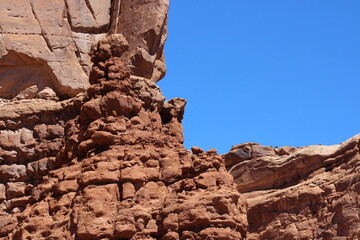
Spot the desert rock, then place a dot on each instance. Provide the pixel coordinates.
(90, 149)
(111, 165)
(299, 193)
(46, 44)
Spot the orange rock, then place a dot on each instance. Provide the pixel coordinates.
(97, 208)
(14, 190)
(312, 189)
(66, 186)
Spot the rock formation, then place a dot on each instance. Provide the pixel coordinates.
(299, 193)
(90, 149)
(47, 43)
(110, 164)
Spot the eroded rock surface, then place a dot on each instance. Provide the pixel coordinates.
(144, 24)
(299, 193)
(113, 168)
(47, 43)
(109, 163)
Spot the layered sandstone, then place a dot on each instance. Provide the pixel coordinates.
(112, 168)
(47, 43)
(299, 193)
(90, 149)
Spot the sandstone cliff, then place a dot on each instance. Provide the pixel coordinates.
(47, 43)
(90, 149)
(108, 163)
(112, 168)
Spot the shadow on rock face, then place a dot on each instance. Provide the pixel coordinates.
(19, 72)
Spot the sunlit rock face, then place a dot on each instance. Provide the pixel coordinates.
(90, 149)
(47, 43)
(299, 193)
(108, 163)
(144, 24)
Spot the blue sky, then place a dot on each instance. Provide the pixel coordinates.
(279, 73)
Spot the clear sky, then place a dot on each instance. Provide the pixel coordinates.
(279, 72)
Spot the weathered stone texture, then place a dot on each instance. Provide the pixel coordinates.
(144, 25)
(112, 168)
(299, 193)
(47, 43)
(109, 163)
(37, 40)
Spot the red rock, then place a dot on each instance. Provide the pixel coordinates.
(110, 163)
(99, 177)
(103, 138)
(304, 188)
(93, 127)
(114, 167)
(196, 150)
(133, 174)
(62, 204)
(115, 104)
(171, 223)
(219, 234)
(125, 226)
(152, 194)
(114, 127)
(130, 176)
(38, 168)
(66, 186)
(171, 236)
(13, 173)
(20, 202)
(246, 151)
(128, 190)
(284, 150)
(2, 192)
(92, 109)
(117, 69)
(7, 225)
(97, 208)
(49, 51)
(86, 146)
(14, 190)
(8, 156)
(170, 168)
(48, 94)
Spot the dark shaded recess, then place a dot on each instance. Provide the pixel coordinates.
(19, 71)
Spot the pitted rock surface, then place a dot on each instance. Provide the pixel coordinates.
(115, 170)
(90, 149)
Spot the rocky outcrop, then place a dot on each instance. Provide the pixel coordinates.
(107, 164)
(32, 132)
(90, 149)
(299, 193)
(144, 25)
(47, 43)
(112, 168)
